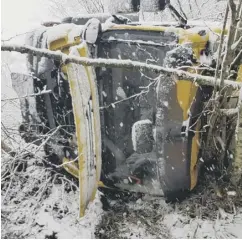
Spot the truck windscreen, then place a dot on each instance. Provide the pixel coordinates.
(127, 96)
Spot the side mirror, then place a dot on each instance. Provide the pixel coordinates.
(142, 136)
(91, 30)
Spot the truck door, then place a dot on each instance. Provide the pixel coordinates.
(82, 80)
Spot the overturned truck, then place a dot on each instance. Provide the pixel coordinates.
(132, 129)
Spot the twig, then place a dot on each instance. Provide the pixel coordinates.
(221, 45)
(47, 139)
(26, 96)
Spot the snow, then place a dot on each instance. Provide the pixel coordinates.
(148, 217)
(136, 131)
(80, 71)
(206, 60)
(183, 227)
(192, 23)
(107, 25)
(119, 6)
(151, 217)
(104, 93)
(70, 226)
(113, 105)
(231, 193)
(24, 86)
(121, 93)
(139, 221)
(166, 103)
(52, 209)
(64, 31)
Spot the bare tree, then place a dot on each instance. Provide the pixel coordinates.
(73, 8)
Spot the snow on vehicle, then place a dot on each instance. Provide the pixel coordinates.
(134, 130)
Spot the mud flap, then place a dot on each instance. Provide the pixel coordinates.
(87, 121)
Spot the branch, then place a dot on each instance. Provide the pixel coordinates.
(26, 96)
(221, 44)
(236, 59)
(6, 148)
(229, 112)
(110, 63)
(229, 52)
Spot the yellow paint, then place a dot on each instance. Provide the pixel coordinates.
(239, 77)
(79, 115)
(58, 44)
(185, 94)
(64, 69)
(65, 50)
(83, 53)
(71, 167)
(194, 156)
(81, 158)
(186, 91)
(64, 41)
(101, 184)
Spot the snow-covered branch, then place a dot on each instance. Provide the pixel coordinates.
(100, 62)
(26, 96)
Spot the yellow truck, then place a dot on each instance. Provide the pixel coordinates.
(127, 129)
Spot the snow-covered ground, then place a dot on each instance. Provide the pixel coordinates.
(38, 202)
